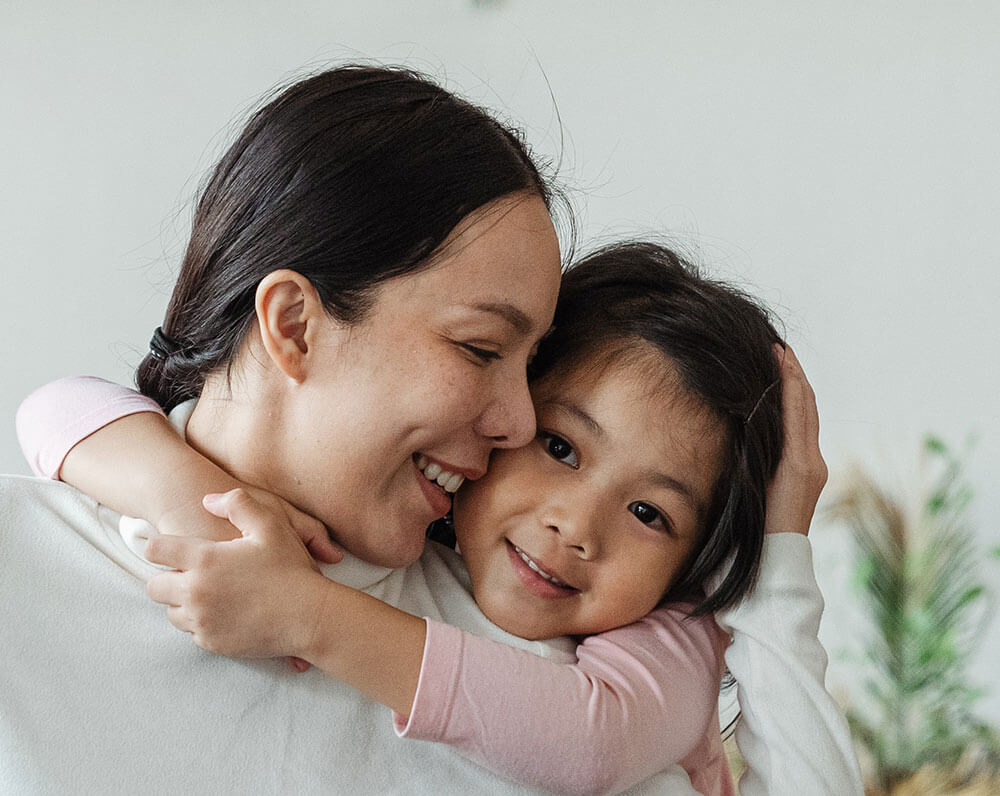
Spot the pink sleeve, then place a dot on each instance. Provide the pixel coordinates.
(639, 699)
(57, 416)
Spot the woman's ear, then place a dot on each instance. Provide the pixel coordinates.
(289, 315)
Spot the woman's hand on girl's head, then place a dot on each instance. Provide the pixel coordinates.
(801, 475)
(253, 597)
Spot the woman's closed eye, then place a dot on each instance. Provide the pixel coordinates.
(483, 354)
(559, 449)
(649, 515)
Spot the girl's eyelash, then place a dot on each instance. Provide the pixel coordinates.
(559, 448)
(653, 515)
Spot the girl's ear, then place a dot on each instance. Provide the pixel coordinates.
(289, 316)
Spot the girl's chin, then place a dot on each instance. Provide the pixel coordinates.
(513, 621)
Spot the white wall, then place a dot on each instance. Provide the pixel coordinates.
(840, 158)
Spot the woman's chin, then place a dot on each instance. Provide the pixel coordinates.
(391, 552)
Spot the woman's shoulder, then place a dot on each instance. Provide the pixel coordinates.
(23, 497)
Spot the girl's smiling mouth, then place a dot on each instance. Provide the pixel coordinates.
(536, 579)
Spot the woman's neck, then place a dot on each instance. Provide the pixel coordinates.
(231, 430)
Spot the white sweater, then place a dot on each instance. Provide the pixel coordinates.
(99, 694)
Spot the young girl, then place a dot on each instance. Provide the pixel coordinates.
(659, 421)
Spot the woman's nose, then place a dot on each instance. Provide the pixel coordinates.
(509, 419)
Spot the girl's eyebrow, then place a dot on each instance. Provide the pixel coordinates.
(578, 413)
(684, 490)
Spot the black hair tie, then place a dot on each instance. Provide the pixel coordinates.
(162, 347)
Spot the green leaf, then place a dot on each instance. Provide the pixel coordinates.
(920, 583)
(935, 444)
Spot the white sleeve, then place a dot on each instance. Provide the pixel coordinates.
(792, 734)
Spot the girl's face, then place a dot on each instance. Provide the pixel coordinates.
(412, 400)
(585, 528)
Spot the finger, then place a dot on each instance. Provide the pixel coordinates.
(315, 536)
(244, 511)
(798, 401)
(298, 664)
(167, 588)
(176, 552)
(179, 618)
(805, 398)
(791, 369)
(321, 546)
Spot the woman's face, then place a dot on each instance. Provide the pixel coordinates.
(410, 401)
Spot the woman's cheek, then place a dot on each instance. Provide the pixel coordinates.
(464, 397)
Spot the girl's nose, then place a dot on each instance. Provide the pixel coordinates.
(575, 523)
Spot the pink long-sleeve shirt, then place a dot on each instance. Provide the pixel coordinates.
(639, 698)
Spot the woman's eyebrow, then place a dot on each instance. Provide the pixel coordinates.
(514, 316)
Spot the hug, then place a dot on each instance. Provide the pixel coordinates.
(372, 330)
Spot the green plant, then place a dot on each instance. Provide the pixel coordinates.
(918, 575)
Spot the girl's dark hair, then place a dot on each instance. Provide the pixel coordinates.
(720, 341)
(349, 177)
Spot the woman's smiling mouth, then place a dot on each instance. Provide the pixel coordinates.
(448, 481)
(439, 481)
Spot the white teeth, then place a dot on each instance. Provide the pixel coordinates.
(527, 560)
(449, 482)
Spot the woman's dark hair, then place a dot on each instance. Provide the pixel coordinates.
(720, 343)
(349, 177)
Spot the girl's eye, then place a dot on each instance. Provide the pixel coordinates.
(483, 354)
(649, 515)
(559, 449)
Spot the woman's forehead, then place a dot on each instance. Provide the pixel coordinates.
(503, 262)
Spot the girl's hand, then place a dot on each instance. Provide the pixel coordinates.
(311, 532)
(258, 596)
(801, 475)
(185, 520)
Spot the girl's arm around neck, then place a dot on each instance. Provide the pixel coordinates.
(58, 415)
(639, 699)
(261, 596)
(141, 467)
(118, 447)
(367, 644)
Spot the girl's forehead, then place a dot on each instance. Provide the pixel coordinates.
(633, 386)
(646, 369)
